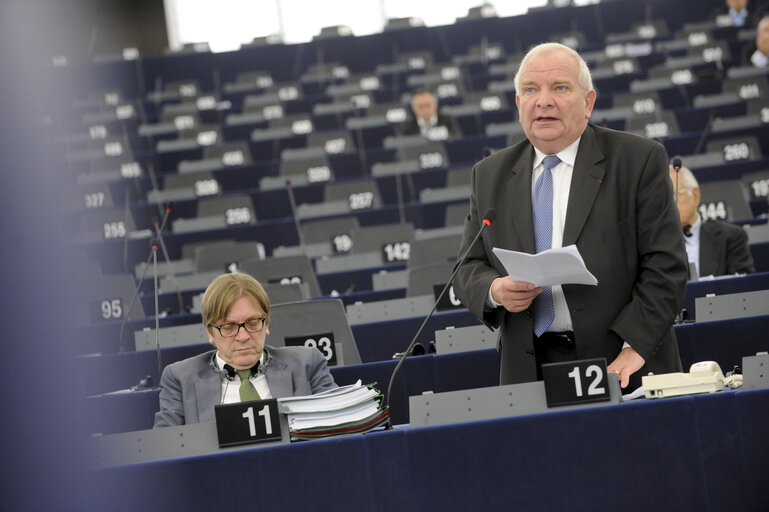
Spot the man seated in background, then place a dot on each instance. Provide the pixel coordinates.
(427, 121)
(717, 248)
(760, 57)
(236, 316)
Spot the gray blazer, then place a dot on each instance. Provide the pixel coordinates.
(621, 215)
(191, 388)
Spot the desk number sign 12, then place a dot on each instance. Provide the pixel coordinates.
(576, 382)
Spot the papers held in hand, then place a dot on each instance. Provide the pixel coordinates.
(548, 268)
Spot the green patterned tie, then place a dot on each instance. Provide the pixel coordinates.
(247, 390)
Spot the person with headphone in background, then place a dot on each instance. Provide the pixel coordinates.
(236, 317)
(716, 248)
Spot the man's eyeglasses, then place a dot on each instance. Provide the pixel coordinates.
(231, 329)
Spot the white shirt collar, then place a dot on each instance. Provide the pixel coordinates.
(221, 362)
(430, 122)
(696, 226)
(568, 155)
(759, 60)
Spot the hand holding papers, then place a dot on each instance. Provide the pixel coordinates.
(548, 268)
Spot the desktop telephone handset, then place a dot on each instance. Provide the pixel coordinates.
(703, 377)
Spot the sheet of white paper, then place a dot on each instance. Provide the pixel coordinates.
(554, 266)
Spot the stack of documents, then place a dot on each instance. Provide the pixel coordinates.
(344, 410)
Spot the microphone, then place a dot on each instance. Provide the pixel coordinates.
(292, 203)
(488, 218)
(688, 231)
(486, 151)
(154, 244)
(159, 235)
(121, 348)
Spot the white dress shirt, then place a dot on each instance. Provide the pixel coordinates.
(759, 60)
(693, 244)
(231, 388)
(561, 187)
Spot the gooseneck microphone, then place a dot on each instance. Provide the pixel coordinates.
(488, 218)
(154, 244)
(159, 234)
(121, 348)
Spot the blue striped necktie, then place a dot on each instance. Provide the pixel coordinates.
(542, 215)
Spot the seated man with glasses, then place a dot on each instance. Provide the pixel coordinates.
(236, 316)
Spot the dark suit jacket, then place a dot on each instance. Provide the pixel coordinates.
(724, 249)
(411, 127)
(190, 389)
(623, 219)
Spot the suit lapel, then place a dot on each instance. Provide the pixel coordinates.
(585, 183)
(208, 391)
(519, 192)
(278, 379)
(709, 249)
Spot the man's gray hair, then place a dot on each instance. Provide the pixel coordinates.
(584, 78)
(687, 181)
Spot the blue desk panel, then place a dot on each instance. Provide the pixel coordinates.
(706, 452)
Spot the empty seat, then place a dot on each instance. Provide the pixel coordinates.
(659, 125)
(221, 257)
(429, 279)
(757, 184)
(457, 213)
(107, 224)
(316, 323)
(217, 213)
(111, 299)
(434, 250)
(193, 138)
(344, 197)
(284, 270)
(219, 156)
(724, 200)
(377, 238)
(186, 186)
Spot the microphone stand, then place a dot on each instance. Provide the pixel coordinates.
(488, 219)
(159, 235)
(154, 244)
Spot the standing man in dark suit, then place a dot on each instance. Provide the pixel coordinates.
(716, 248)
(236, 316)
(427, 121)
(608, 195)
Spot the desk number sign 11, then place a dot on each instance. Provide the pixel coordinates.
(248, 422)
